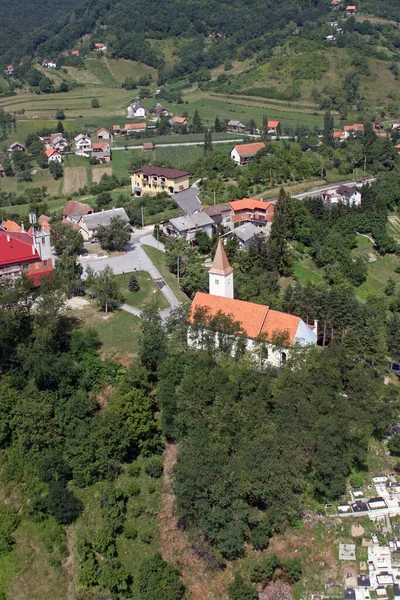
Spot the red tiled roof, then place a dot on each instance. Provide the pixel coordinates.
(12, 226)
(179, 120)
(255, 319)
(355, 127)
(97, 145)
(338, 135)
(73, 206)
(249, 204)
(249, 149)
(102, 129)
(50, 151)
(135, 126)
(18, 249)
(273, 124)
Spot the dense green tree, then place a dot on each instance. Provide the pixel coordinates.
(105, 288)
(65, 240)
(133, 285)
(208, 147)
(152, 340)
(115, 235)
(240, 590)
(158, 579)
(328, 129)
(197, 125)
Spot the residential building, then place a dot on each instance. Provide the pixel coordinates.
(83, 142)
(248, 209)
(130, 128)
(148, 147)
(338, 135)
(136, 110)
(89, 224)
(100, 47)
(58, 142)
(101, 151)
(116, 129)
(24, 253)
(188, 225)
(179, 121)
(16, 146)
(160, 111)
(236, 126)
(12, 226)
(349, 195)
(73, 207)
(103, 134)
(353, 129)
(276, 331)
(9, 70)
(273, 127)
(246, 233)
(244, 153)
(75, 53)
(152, 180)
(49, 64)
(221, 214)
(351, 10)
(53, 155)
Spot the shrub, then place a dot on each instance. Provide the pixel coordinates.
(130, 530)
(356, 481)
(154, 467)
(137, 510)
(133, 285)
(146, 537)
(240, 590)
(158, 579)
(134, 469)
(95, 103)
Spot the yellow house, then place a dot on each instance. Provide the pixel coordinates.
(153, 180)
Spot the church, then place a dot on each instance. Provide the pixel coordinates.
(256, 320)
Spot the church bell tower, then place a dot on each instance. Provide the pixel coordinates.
(221, 274)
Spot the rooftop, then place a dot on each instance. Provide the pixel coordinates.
(73, 207)
(16, 248)
(104, 217)
(191, 221)
(249, 149)
(162, 172)
(250, 204)
(221, 264)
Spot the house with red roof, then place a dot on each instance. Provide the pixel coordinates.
(24, 253)
(269, 335)
(100, 47)
(248, 209)
(53, 155)
(103, 134)
(176, 121)
(130, 128)
(9, 70)
(273, 127)
(242, 154)
(152, 180)
(101, 151)
(353, 129)
(351, 9)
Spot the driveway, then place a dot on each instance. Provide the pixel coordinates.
(188, 200)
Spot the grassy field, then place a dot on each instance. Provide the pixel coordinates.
(121, 69)
(379, 271)
(42, 177)
(175, 139)
(147, 295)
(99, 68)
(158, 258)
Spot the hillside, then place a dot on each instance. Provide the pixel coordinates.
(35, 13)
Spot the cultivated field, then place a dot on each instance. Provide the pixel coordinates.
(98, 172)
(74, 178)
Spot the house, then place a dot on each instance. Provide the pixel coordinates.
(130, 128)
(73, 207)
(160, 111)
(330, 38)
(16, 146)
(53, 155)
(58, 142)
(83, 142)
(75, 53)
(248, 209)
(116, 129)
(148, 147)
(246, 233)
(136, 110)
(49, 64)
(9, 70)
(89, 224)
(338, 135)
(101, 151)
(100, 47)
(236, 126)
(275, 330)
(103, 134)
(273, 127)
(188, 225)
(221, 214)
(353, 129)
(152, 180)
(24, 253)
(244, 153)
(351, 10)
(349, 195)
(178, 121)
(335, 2)
(11, 226)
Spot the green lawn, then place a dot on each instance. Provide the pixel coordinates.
(121, 69)
(158, 258)
(148, 294)
(100, 69)
(176, 138)
(119, 334)
(305, 271)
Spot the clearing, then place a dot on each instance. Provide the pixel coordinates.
(74, 179)
(98, 172)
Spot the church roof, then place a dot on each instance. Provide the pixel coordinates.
(221, 264)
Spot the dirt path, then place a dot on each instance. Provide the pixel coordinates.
(175, 548)
(70, 566)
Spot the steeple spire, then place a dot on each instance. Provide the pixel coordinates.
(220, 264)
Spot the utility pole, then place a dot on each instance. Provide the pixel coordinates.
(158, 244)
(142, 208)
(178, 266)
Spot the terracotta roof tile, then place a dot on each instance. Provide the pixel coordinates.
(12, 226)
(249, 149)
(250, 204)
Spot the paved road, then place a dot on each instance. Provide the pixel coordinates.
(135, 259)
(319, 190)
(140, 147)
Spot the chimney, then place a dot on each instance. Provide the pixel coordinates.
(22, 227)
(8, 239)
(33, 250)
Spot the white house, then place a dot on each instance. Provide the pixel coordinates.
(83, 142)
(136, 110)
(53, 155)
(244, 153)
(89, 223)
(103, 134)
(349, 195)
(49, 64)
(9, 70)
(268, 334)
(188, 225)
